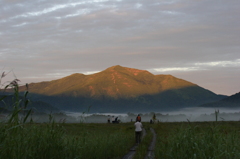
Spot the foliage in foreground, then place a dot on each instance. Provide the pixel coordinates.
(198, 140)
(52, 140)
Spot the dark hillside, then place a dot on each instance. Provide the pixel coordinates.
(38, 106)
(228, 102)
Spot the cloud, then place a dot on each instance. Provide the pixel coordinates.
(138, 5)
(91, 72)
(49, 8)
(173, 69)
(78, 13)
(199, 66)
(20, 25)
(235, 63)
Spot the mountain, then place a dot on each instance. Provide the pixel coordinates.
(121, 89)
(232, 101)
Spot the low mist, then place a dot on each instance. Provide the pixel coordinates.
(187, 114)
(193, 114)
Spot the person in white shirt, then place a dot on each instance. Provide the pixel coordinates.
(138, 131)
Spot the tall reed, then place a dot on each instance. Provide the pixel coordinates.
(198, 140)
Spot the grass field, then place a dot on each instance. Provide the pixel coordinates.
(215, 140)
(178, 140)
(65, 140)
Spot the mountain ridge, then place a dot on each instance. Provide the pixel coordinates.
(111, 80)
(116, 86)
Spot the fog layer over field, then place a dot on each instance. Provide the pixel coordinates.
(186, 114)
(183, 115)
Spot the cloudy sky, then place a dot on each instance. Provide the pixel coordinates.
(195, 40)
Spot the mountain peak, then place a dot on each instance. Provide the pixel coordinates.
(128, 70)
(116, 68)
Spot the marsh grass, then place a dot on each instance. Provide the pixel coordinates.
(53, 140)
(198, 140)
(30, 141)
(102, 140)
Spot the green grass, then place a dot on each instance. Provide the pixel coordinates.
(65, 141)
(105, 140)
(215, 140)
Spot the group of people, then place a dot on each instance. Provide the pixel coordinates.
(113, 120)
(138, 126)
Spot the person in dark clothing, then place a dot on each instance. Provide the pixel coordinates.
(138, 118)
(116, 120)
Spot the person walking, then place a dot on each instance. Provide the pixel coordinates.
(138, 118)
(138, 131)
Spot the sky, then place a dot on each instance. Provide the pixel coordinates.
(195, 40)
